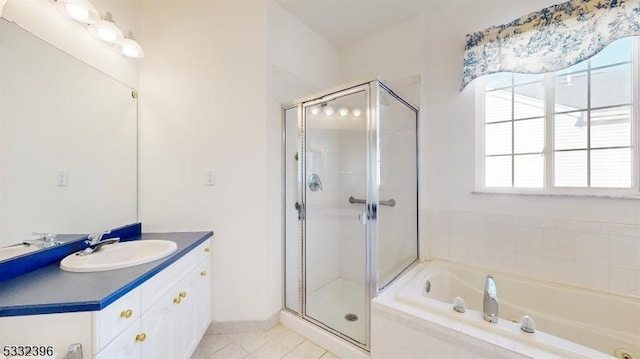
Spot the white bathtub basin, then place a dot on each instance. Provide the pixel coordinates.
(569, 320)
(14, 251)
(119, 255)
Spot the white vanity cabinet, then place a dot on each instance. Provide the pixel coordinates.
(173, 313)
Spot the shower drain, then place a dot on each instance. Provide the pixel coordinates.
(351, 317)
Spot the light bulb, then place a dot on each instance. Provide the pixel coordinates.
(107, 35)
(315, 110)
(343, 111)
(130, 47)
(106, 30)
(328, 111)
(77, 13)
(356, 112)
(130, 51)
(81, 11)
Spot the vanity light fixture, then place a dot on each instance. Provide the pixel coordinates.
(343, 111)
(81, 11)
(130, 47)
(356, 112)
(103, 28)
(315, 110)
(106, 30)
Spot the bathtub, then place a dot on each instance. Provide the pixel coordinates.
(570, 322)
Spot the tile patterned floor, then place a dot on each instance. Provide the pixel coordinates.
(276, 343)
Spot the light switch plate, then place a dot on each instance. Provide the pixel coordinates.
(209, 178)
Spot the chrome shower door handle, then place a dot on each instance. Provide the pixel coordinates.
(300, 209)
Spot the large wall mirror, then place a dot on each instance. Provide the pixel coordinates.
(68, 142)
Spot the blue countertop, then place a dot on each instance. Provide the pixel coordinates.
(51, 290)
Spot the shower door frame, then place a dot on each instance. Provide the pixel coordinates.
(372, 93)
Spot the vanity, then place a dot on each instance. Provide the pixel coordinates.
(159, 309)
(69, 164)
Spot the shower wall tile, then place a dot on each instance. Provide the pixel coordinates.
(537, 222)
(438, 229)
(460, 231)
(502, 236)
(582, 226)
(596, 255)
(592, 248)
(438, 248)
(529, 240)
(624, 252)
(621, 229)
(558, 244)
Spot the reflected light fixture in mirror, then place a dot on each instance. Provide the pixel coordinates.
(329, 111)
(130, 47)
(106, 30)
(81, 11)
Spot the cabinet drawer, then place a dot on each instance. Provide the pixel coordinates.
(153, 289)
(115, 318)
(127, 345)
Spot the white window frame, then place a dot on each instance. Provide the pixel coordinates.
(548, 183)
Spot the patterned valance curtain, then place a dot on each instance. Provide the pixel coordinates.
(550, 39)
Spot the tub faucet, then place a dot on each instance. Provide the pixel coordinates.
(490, 302)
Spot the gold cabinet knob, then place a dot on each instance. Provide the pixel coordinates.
(183, 294)
(203, 273)
(177, 300)
(126, 313)
(208, 250)
(141, 337)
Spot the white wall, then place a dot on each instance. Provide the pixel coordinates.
(394, 53)
(590, 242)
(206, 104)
(300, 63)
(203, 107)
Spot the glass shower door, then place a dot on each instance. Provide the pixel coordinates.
(335, 188)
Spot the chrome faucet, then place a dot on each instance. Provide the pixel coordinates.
(490, 302)
(44, 240)
(96, 242)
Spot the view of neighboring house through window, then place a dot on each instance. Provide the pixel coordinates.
(572, 129)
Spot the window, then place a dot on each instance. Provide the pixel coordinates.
(568, 131)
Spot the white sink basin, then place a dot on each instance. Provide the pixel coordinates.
(14, 251)
(119, 255)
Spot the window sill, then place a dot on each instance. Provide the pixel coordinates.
(560, 195)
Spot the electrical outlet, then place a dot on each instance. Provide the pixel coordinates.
(209, 178)
(62, 178)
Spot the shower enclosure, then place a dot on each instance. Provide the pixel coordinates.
(350, 203)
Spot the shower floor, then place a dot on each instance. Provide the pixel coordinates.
(331, 303)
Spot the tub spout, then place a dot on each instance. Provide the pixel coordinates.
(490, 302)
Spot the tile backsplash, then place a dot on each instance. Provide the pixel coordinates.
(594, 255)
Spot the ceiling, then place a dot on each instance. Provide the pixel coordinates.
(343, 22)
